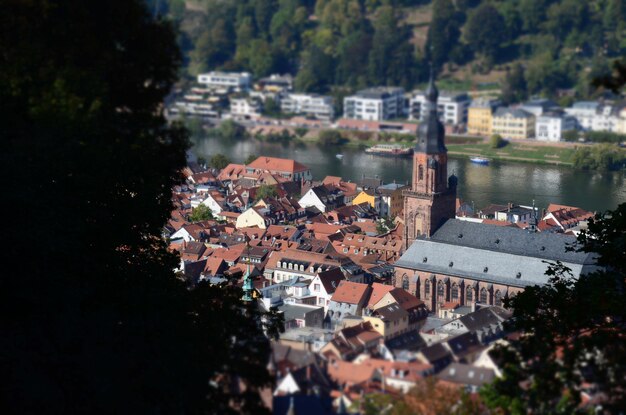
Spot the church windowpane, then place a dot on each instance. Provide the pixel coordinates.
(420, 173)
(483, 296)
(469, 295)
(427, 288)
(440, 290)
(405, 283)
(455, 292)
(498, 298)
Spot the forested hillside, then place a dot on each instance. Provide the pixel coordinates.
(521, 46)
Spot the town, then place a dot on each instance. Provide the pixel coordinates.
(234, 95)
(381, 285)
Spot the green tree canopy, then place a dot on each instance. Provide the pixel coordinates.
(219, 161)
(250, 158)
(94, 319)
(486, 30)
(201, 213)
(266, 191)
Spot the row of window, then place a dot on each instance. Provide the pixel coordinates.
(483, 294)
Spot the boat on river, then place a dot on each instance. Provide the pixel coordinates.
(390, 150)
(479, 160)
(339, 156)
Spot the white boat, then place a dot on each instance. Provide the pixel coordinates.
(479, 160)
(339, 156)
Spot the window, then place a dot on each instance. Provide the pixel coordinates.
(455, 292)
(420, 173)
(498, 298)
(427, 288)
(405, 282)
(316, 287)
(440, 289)
(469, 295)
(483, 295)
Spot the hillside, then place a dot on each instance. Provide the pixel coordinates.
(518, 47)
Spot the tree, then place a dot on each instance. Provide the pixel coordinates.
(271, 107)
(201, 213)
(219, 161)
(496, 141)
(571, 135)
(573, 332)
(330, 137)
(514, 88)
(599, 157)
(98, 321)
(486, 30)
(266, 191)
(443, 32)
(250, 158)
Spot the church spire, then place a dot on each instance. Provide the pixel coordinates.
(430, 133)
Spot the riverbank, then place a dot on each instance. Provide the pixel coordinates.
(560, 154)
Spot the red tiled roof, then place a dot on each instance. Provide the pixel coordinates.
(277, 164)
(350, 292)
(378, 291)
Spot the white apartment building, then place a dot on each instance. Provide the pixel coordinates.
(551, 126)
(593, 116)
(238, 80)
(452, 107)
(584, 112)
(245, 108)
(313, 105)
(375, 104)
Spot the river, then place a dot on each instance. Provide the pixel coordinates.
(500, 182)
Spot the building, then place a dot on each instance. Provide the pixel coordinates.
(513, 123)
(325, 198)
(245, 108)
(480, 116)
(312, 105)
(432, 196)
(375, 104)
(550, 126)
(287, 168)
(239, 81)
(540, 106)
(391, 199)
(276, 83)
(349, 299)
(471, 263)
(452, 107)
(369, 196)
(451, 260)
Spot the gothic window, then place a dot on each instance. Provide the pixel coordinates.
(405, 282)
(440, 289)
(498, 297)
(483, 295)
(455, 293)
(427, 289)
(469, 295)
(420, 173)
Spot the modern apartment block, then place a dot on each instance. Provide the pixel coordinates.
(240, 81)
(375, 104)
(313, 105)
(452, 107)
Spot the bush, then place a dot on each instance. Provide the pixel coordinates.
(599, 157)
(496, 141)
(219, 161)
(330, 137)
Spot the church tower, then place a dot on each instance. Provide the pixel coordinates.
(432, 197)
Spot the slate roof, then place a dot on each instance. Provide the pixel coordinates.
(330, 279)
(513, 112)
(484, 317)
(466, 374)
(493, 254)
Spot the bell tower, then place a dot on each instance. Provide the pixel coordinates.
(432, 198)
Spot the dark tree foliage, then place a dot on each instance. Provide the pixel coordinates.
(573, 332)
(93, 318)
(444, 32)
(514, 88)
(486, 30)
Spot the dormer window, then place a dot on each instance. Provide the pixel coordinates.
(518, 275)
(485, 269)
(497, 241)
(425, 260)
(451, 264)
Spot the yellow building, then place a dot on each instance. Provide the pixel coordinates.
(252, 217)
(513, 123)
(368, 196)
(480, 117)
(390, 320)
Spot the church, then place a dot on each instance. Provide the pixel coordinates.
(447, 260)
